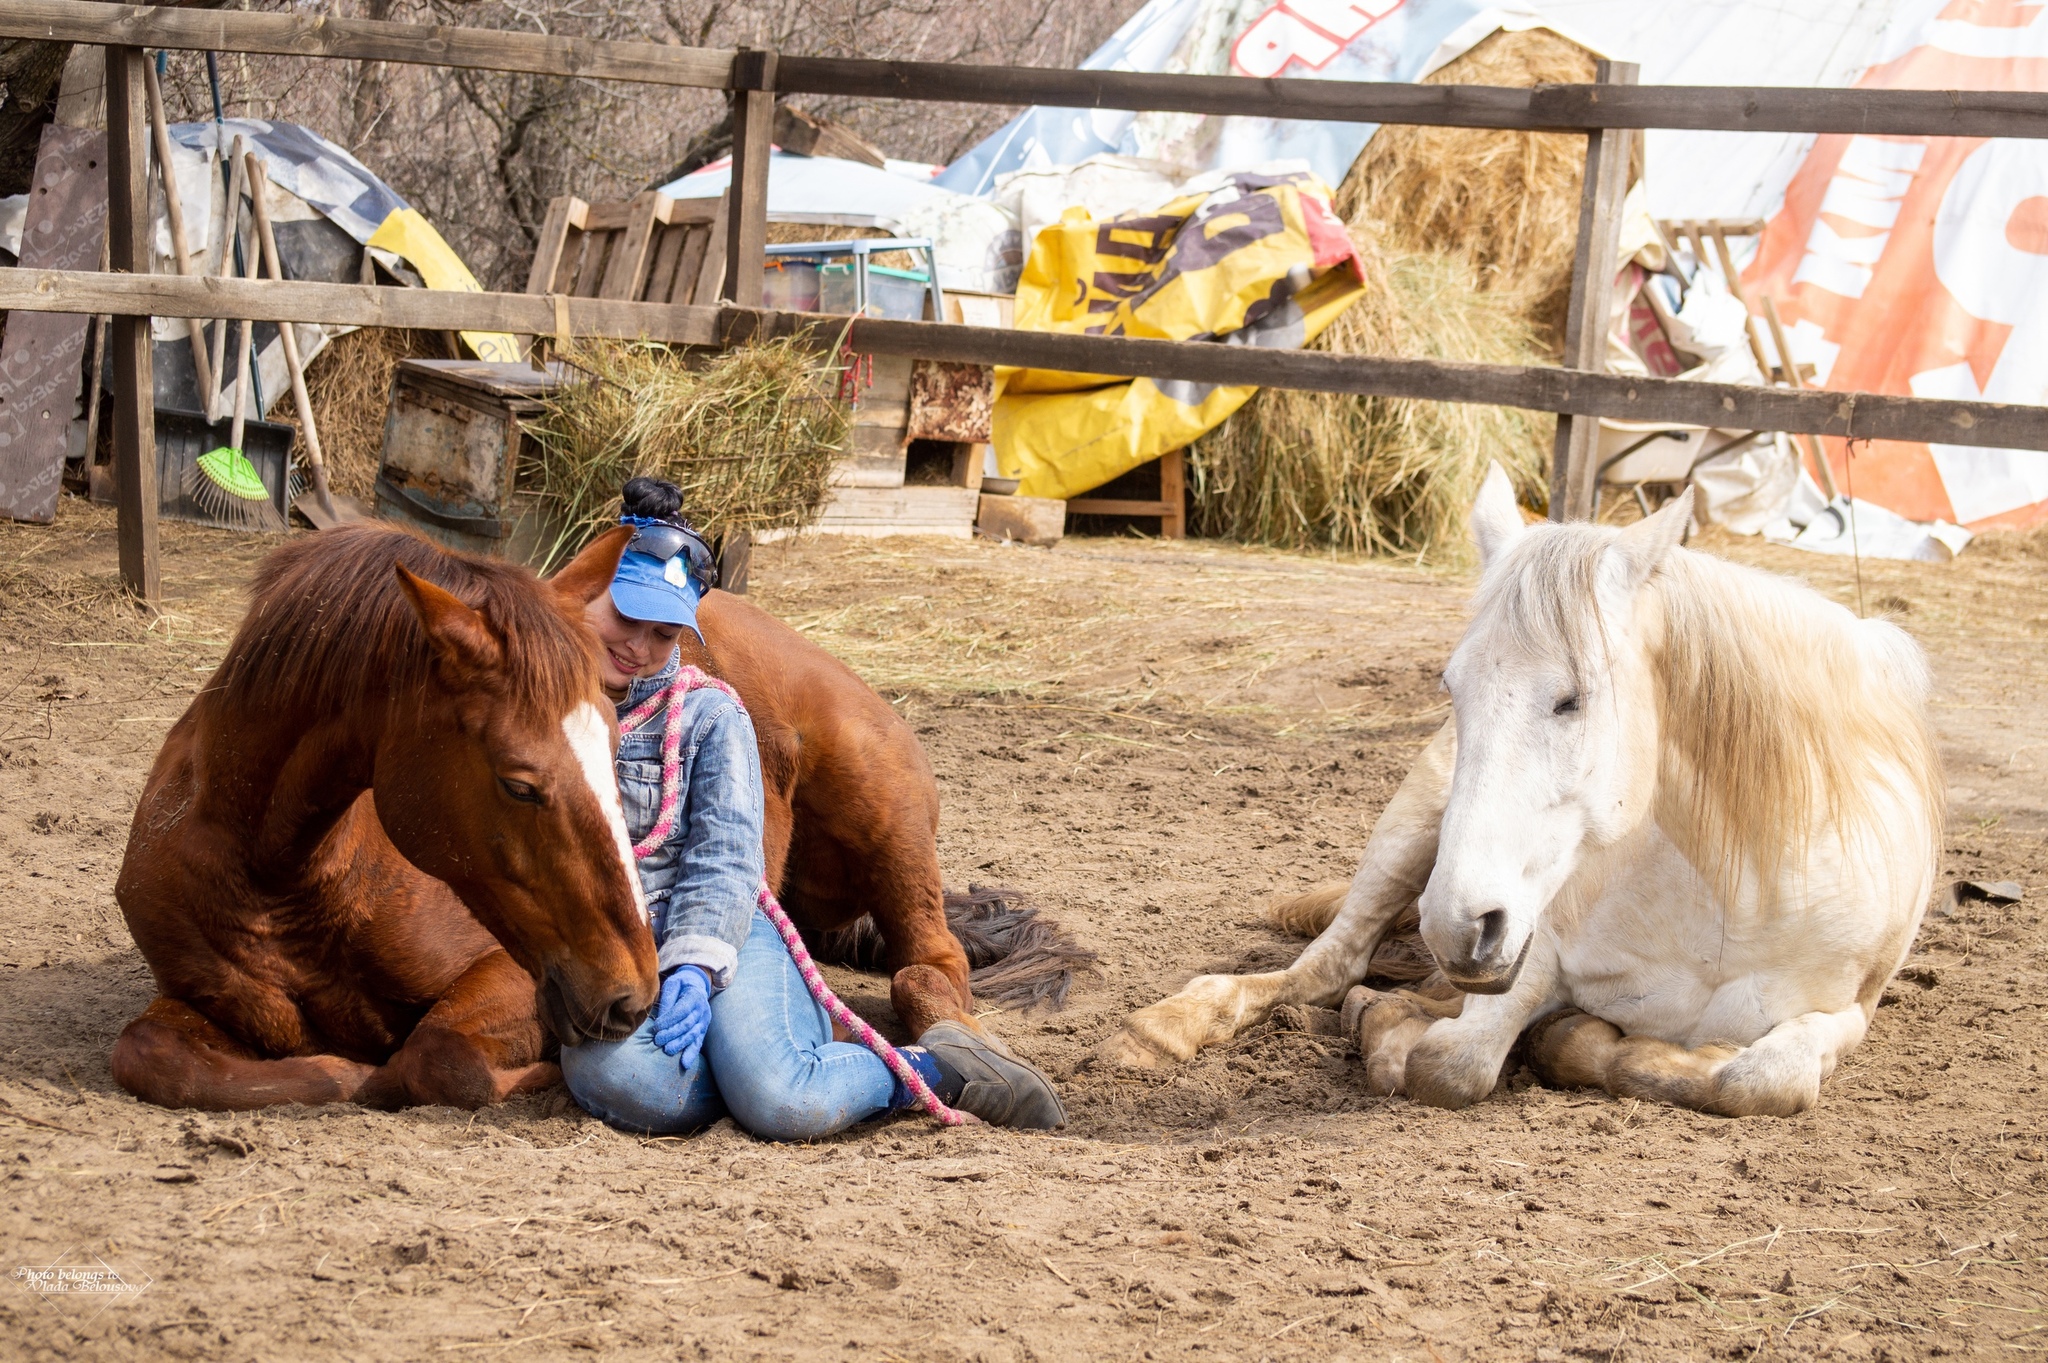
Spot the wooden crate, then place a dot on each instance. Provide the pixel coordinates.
(451, 454)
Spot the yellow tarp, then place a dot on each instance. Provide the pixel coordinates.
(407, 234)
(1260, 261)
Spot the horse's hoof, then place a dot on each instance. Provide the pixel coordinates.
(1126, 1050)
(1355, 1003)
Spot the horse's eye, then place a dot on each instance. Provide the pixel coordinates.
(1568, 706)
(521, 791)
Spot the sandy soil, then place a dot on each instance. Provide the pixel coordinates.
(1150, 739)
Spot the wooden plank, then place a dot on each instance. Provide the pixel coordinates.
(746, 224)
(711, 272)
(803, 134)
(128, 228)
(597, 248)
(1859, 416)
(359, 305)
(1909, 113)
(315, 35)
(1116, 506)
(683, 287)
(1552, 108)
(64, 227)
(565, 211)
(661, 276)
(1173, 488)
(1589, 313)
(627, 267)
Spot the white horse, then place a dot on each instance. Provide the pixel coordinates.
(1684, 818)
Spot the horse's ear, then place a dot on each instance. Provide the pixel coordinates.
(462, 640)
(591, 571)
(1643, 545)
(1496, 520)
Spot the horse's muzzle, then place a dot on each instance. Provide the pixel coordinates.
(573, 1021)
(1475, 979)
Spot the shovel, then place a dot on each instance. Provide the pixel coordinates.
(322, 506)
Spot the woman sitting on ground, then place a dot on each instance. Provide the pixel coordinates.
(735, 1031)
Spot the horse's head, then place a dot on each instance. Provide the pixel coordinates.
(1551, 692)
(498, 780)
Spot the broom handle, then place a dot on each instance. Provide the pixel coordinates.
(231, 226)
(259, 189)
(174, 208)
(245, 341)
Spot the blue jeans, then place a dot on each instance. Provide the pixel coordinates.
(769, 1060)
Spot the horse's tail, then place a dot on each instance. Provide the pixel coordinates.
(1401, 958)
(1308, 913)
(1019, 957)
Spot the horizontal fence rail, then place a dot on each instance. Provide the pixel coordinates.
(1679, 402)
(1556, 108)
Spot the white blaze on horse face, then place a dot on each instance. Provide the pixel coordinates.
(590, 740)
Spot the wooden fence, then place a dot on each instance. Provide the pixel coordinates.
(1607, 112)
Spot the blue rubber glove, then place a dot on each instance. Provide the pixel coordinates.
(684, 1014)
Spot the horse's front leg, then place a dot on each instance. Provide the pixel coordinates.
(1777, 1075)
(1396, 865)
(479, 1044)
(1447, 1051)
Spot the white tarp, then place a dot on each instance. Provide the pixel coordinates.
(1382, 40)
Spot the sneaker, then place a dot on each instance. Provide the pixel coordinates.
(983, 1077)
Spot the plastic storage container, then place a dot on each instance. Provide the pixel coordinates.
(791, 284)
(891, 293)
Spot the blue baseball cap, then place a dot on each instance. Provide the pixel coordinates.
(661, 590)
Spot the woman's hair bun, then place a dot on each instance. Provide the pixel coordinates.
(653, 499)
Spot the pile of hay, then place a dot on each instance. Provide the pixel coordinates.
(1467, 237)
(1379, 475)
(750, 435)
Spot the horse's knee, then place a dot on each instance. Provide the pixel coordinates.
(154, 1061)
(1664, 1072)
(437, 1066)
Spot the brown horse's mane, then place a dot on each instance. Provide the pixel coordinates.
(330, 630)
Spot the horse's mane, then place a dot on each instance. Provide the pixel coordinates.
(330, 630)
(1781, 714)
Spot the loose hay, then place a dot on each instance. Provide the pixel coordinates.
(750, 435)
(1379, 475)
(1466, 236)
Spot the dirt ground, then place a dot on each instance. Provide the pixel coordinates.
(1150, 739)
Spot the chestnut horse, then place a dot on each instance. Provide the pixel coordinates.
(390, 811)
(853, 817)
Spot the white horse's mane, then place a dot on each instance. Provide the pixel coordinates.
(1781, 714)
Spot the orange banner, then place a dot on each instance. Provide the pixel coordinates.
(1919, 265)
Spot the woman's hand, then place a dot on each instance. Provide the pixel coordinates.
(683, 1015)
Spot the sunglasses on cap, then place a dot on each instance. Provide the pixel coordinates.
(664, 542)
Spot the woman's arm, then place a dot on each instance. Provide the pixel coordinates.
(718, 858)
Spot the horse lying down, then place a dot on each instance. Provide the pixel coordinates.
(1680, 830)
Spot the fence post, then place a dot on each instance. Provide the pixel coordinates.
(128, 353)
(1573, 468)
(746, 224)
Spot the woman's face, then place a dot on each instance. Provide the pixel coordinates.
(628, 648)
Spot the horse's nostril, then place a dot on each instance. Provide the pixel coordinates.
(624, 1016)
(1493, 926)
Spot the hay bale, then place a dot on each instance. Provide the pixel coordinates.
(1506, 201)
(1466, 237)
(1379, 475)
(750, 435)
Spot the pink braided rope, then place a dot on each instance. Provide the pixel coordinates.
(689, 679)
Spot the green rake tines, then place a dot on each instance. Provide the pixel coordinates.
(226, 486)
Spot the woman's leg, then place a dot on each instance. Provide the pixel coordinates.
(780, 1072)
(634, 1085)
